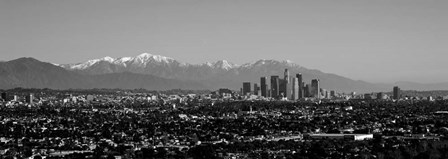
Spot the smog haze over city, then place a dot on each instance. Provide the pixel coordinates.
(209, 79)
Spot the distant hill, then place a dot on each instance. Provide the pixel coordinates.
(31, 73)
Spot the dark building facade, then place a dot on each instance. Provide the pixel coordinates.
(256, 88)
(275, 81)
(263, 86)
(246, 88)
(396, 94)
(284, 83)
(315, 88)
(306, 90)
(300, 82)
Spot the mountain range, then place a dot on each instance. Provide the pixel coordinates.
(157, 72)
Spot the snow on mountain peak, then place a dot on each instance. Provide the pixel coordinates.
(224, 64)
(108, 59)
(208, 64)
(144, 57)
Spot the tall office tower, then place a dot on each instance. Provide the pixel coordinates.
(315, 88)
(16, 98)
(300, 81)
(4, 96)
(246, 88)
(282, 88)
(286, 76)
(263, 86)
(396, 92)
(289, 88)
(295, 89)
(256, 89)
(285, 87)
(303, 90)
(274, 86)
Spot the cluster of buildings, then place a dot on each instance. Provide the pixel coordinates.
(287, 88)
(29, 99)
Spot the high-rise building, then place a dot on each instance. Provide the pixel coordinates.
(274, 86)
(332, 94)
(307, 90)
(286, 76)
(285, 87)
(256, 89)
(396, 92)
(246, 88)
(263, 86)
(295, 89)
(315, 88)
(303, 90)
(282, 88)
(300, 82)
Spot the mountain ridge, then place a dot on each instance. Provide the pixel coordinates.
(214, 75)
(158, 72)
(32, 73)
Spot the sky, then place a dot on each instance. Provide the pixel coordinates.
(379, 41)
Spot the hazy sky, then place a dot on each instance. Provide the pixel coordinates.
(371, 40)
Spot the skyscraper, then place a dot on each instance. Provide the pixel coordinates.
(284, 85)
(307, 90)
(282, 88)
(300, 82)
(303, 90)
(396, 92)
(295, 89)
(315, 88)
(274, 86)
(263, 86)
(246, 88)
(286, 76)
(256, 89)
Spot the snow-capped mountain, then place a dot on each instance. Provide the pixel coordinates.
(223, 64)
(140, 60)
(31, 73)
(219, 74)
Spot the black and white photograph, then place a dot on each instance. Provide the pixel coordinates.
(224, 79)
